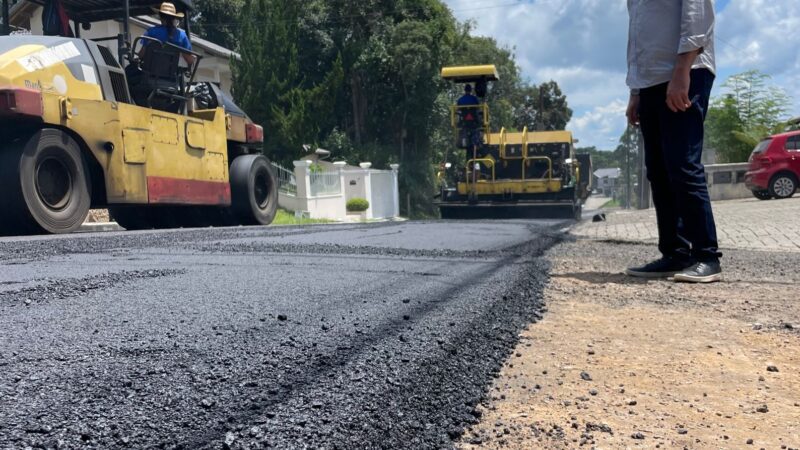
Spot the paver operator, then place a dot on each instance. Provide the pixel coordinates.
(671, 69)
(468, 99)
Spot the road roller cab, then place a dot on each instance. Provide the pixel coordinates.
(160, 151)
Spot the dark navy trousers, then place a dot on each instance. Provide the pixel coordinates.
(673, 145)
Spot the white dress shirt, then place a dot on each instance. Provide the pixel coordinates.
(659, 31)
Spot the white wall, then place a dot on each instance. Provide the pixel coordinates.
(736, 189)
(290, 202)
(331, 207)
(376, 186)
(359, 190)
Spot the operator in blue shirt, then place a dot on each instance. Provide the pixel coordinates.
(469, 120)
(169, 32)
(468, 99)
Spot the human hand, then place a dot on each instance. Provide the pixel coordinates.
(633, 110)
(678, 92)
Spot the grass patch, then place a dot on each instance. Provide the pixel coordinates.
(612, 204)
(284, 217)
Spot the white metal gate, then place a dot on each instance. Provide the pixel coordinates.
(382, 201)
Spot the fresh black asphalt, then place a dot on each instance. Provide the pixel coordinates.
(340, 336)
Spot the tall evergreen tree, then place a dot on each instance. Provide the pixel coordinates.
(269, 84)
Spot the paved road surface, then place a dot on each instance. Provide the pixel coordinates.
(329, 336)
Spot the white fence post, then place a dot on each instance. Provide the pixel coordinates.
(368, 191)
(342, 189)
(395, 168)
(301, 174)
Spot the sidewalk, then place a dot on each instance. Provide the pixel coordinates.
(619, 362)
(748, 224)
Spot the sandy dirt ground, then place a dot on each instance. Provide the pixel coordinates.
(625, 363)
(98, 216)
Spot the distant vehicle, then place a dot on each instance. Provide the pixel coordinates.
(775, 167)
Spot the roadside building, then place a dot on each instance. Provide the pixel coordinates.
(607, 181)
(26, 17)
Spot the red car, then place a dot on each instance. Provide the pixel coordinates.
(775, 167)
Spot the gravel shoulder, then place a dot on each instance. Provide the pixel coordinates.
(623, 363)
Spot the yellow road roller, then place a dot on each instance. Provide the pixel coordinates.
(133, 132)
(507, 173)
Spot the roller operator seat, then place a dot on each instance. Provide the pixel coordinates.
(159, 84)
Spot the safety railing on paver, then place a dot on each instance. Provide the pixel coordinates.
(287, 183)
(325, 183)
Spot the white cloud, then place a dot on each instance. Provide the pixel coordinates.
(759, 34)
(586, 87)
(601, 126)
(591, 33)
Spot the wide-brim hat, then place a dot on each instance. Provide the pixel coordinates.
(168, 9)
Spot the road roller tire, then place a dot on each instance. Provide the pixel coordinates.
(45, 184)
(254, 190)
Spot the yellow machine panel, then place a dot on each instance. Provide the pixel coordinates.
(135, 143)
(467, 74)
(196, 134)
(506, 187)
(41, 68)
(164, 129)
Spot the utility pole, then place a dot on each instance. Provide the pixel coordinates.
(644, 184)
(540, 126)
(627, 144)
(6, 24)
(627, 175)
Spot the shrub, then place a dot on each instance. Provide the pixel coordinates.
(357, 205)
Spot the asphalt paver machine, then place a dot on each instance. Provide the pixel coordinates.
(504, 173)
(76, 132)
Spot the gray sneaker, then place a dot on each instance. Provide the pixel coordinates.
(702, 272)
(660, 268)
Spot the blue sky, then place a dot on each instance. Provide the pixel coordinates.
(581, 44)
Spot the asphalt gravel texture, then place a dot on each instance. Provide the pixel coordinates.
(345, 336)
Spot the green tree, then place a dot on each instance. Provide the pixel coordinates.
(542, 107)
(218, 21)
(722, 123)
(268, 82)
(602, 159)
(750, 110)
(391, 55)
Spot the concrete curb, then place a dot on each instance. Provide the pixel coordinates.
(100, 227)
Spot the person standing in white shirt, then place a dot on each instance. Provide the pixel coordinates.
(671, 70)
